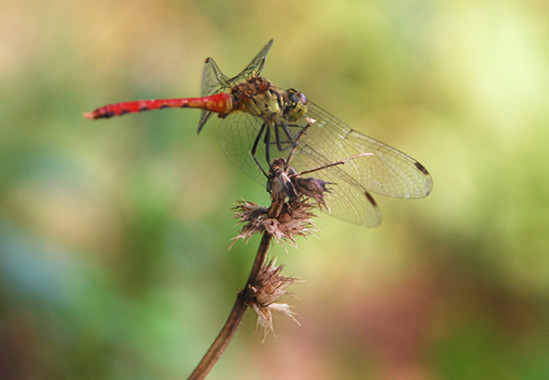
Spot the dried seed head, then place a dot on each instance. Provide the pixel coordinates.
(269, 286)
(252, 216)
(287, 223)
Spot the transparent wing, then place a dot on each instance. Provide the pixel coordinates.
(214, 81)
(236, 135)
(386, 171)
(255, 67)
(346, 199)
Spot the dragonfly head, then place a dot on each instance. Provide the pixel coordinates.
(295, 106)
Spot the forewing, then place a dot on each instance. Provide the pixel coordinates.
(385, 170)
(255, 67)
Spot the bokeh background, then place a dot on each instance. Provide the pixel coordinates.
(114, 235)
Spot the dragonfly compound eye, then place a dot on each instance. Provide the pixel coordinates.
(295, 106)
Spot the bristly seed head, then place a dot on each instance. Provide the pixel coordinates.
(262, 294)
(289, 223)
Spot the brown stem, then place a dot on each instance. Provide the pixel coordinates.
(260, 257)
(235, 317)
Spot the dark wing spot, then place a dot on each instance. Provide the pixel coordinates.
(370, 198)
(421, 168)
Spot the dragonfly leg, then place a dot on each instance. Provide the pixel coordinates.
(256, 143)
(296, 141)
(267, 142)
(277, 137)
(279, 141)
(291, 140)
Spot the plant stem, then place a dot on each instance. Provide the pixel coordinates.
(235, 317)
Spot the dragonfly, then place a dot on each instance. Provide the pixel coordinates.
(260, 121)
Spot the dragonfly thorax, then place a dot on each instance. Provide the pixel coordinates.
(258, 97)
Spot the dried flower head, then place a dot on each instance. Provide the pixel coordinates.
(262, 294)
(284, 227)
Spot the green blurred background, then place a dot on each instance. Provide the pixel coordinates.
(114, 234)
